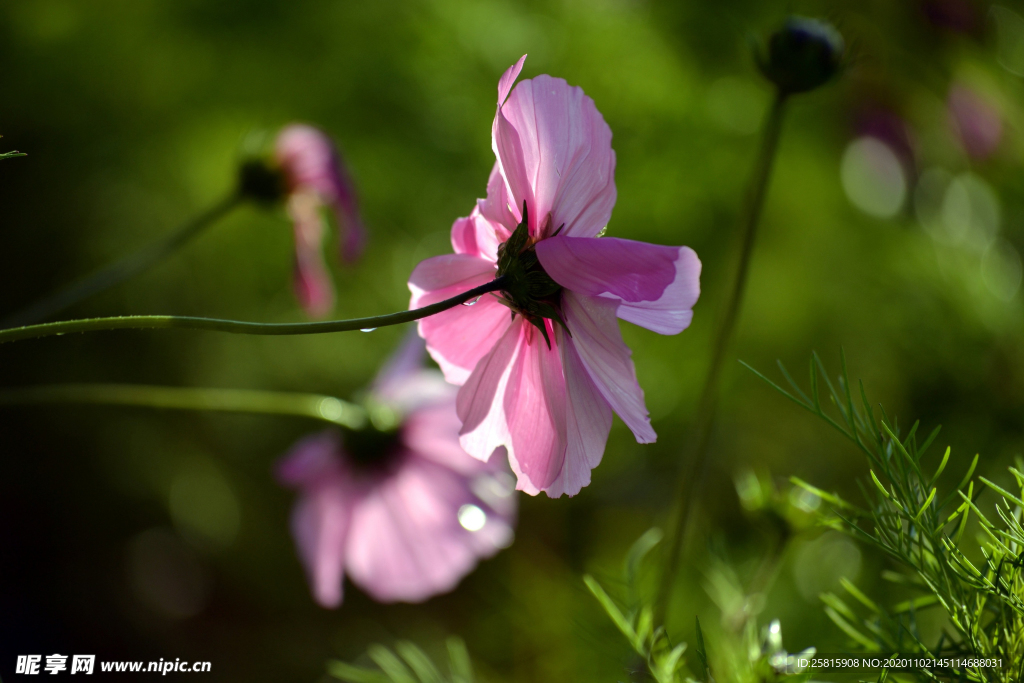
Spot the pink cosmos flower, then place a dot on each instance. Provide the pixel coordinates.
(975, 121)
(399, 507)
(316, 179)
(543, 381)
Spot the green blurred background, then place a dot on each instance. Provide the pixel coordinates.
(134, 534)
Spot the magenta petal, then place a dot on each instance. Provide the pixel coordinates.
(588, 421)
(509, 150)
(535, 411)
(313, 289)
(477, 236)
(320, 519)
(496, 208)
(309, 160)
(508, 78)
(313, 286)
(596, 336)
(311, 460)
(564, 153)
(403, 364)
(353, 237)
(405, 541)
(673, 311)
(480, 403)
(657, 285)
(320, 527)
(460, 336)
(312, 164)
(346, 210)
(433, 432)
(448, 270)
(628, 270)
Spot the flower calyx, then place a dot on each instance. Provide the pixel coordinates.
(261, 181)
(529, 291)
(801, 56)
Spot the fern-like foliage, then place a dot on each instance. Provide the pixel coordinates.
(746, 655)
(11, 155)
(407, 664)
(920, 526)
(663, 660)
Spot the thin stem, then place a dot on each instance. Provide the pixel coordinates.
(313, 406)
(691, 471)
(122, 270)
(138, 322)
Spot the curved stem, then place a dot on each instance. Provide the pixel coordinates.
(691, 472)
(122, 270)
(313, 406)
(138, 322)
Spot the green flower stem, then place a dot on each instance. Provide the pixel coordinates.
(139, 322)
(313, 406)
(692, 468)
(122, 270)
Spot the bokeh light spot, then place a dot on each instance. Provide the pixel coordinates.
(166, 575)
(472, 518)
(804, 500)
(331, 409)
(1009, 39)
(1001, 270)
(203, 505)
(873, 177)
(819, 564)
(970, 212)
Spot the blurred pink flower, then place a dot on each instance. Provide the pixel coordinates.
(543, 382)
(884, 124)
(958, 16)
(405, 512)
(975, 121)
(316, 179)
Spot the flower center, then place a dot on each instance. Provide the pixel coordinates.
(529, 291)
(372, 448)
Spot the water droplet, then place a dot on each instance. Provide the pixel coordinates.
(470, 302)
(368, 329)
(472, 518)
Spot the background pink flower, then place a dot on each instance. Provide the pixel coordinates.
(543, 382)
(317, 179)
(404, 511)
(975, 121)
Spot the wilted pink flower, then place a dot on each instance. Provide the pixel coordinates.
(543, 381)
(975, 121)
(401, 509)
(316, 180)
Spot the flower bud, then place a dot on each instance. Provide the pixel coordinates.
(803, 55)
(261, 182)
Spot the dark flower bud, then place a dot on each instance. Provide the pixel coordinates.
(261, 182)
(803, 55)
